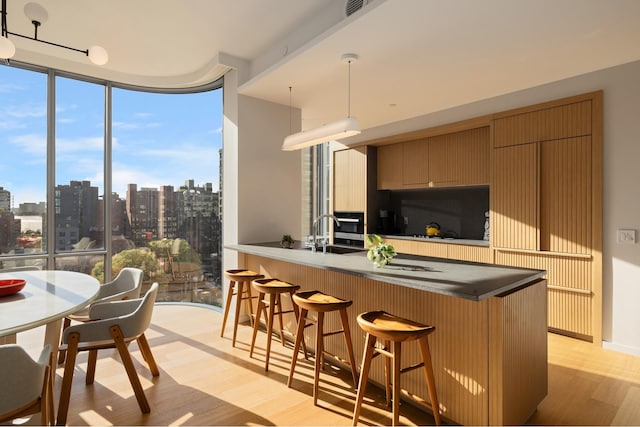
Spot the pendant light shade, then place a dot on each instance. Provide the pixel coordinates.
(7, 48)
(333, 131)
(98, 55)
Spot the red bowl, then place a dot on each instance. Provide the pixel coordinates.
(11, 286)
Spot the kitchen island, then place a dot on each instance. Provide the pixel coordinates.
(490, 345)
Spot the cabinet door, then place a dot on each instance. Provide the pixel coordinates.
(565, 195)
(390, 167)
(460, 158)
(563, 121)
(415, 163)
(349, 180)
(514, 197)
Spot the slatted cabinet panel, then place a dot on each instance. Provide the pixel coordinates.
(415, 165)
(438, 250)
(460, 158)
(349, 182)
(558, 122)
(565, 202)
(570, 283)
(470, 253)
(390, 167)
(514, 197)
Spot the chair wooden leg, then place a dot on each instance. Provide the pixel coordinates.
(395, 379)
(227, 306)
(249, 300)
(67, 378)
(428, 371)
(91, 367)
(369, 346)
(299, 337)
(123, 350)
(61, 354)
(143, 343)
(280, 310)
(347, 338)
(45, 397)
(256, 324)
(319, 356)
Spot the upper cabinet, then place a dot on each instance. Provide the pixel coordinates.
(454, 159)
(349, 180)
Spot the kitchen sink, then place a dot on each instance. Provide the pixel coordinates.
(333, 249)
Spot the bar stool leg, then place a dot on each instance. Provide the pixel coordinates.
(249, 299)
(428, 371)
(387, 374)
(239, 293)
(319, 355)
(369, 346)
(272, 301)
(296, 313)
(299, 337)
(347, 337)
(227, 306)
(260, 309)
(395, 400)
(280, 309)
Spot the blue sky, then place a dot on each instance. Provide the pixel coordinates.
(158, 139)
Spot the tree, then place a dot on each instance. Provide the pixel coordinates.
(141, 258)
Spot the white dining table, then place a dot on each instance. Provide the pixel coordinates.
(48, 296)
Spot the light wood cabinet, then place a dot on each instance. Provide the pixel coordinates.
(543, 123)
(448, 160)
(415, 164)
(456, 251)
(349, 180)
(460, 158)
(390, 164)
(546, 198)
(514, 197)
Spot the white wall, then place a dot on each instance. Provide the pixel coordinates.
(621, 192)
(270, 180)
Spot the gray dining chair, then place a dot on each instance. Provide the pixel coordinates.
(112, 324)
(25, 384)
(126, 285)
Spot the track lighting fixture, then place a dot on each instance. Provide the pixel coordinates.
(38, 16)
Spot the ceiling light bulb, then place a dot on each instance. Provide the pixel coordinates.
(7, 48)
(98, 55)
(35, 12)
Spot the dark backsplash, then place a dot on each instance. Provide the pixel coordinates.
(458, 211)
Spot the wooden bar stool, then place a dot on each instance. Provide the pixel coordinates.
(390, 328)
(274, 288)
(242, 278)
(316, 301)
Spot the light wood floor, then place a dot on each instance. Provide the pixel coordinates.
(205, 381)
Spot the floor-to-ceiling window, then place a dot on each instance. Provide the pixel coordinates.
(89, 170)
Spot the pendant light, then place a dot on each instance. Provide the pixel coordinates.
(38, 16)
(333, 131)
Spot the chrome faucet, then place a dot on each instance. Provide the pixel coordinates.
(313, 243)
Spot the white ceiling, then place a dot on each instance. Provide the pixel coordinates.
(415, 56)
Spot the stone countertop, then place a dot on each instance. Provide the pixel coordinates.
(469, 280)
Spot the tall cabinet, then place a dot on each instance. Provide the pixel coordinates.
(546, 204)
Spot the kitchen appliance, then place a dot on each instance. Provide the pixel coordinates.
(386, 222)
(350, 230)
(432, 229)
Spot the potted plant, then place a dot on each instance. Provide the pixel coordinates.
(379, 253)
(287, 241)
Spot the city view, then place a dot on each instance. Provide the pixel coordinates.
(160, 166)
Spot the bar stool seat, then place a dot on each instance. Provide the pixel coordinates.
(396, 330)
(316, 301)
(274, 288)
(242, 278)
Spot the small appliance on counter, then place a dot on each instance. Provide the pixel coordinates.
(432, 229)
(386, 222)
